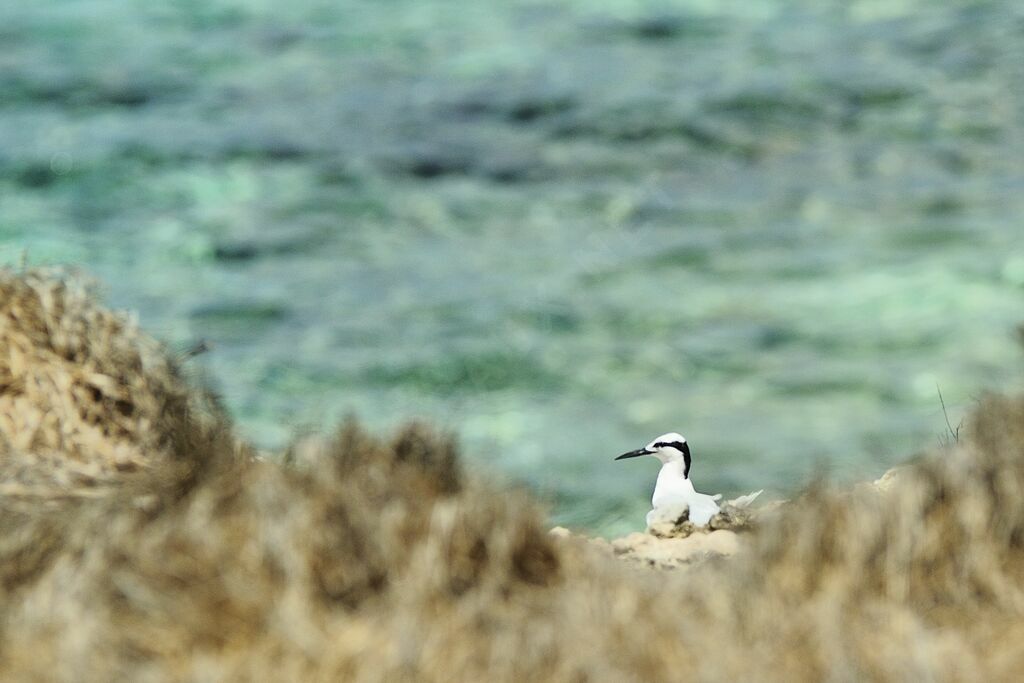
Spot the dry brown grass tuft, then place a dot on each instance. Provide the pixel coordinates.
(85, 397)
(923, 582)
(264, 569)
(378, 560)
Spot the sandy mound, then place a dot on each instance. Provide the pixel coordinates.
(675, 552)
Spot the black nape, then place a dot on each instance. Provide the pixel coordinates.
(683, 448)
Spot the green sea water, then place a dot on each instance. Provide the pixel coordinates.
(557, 228)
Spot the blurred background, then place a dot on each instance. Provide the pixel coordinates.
(558, 228)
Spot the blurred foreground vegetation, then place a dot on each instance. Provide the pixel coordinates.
(141, 540)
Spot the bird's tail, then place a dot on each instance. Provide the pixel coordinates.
(745, 501)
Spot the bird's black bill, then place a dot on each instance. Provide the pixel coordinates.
(634, 454)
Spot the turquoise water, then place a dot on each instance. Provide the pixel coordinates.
(558, 228)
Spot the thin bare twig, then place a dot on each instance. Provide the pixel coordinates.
(197, 349)
(954, 433)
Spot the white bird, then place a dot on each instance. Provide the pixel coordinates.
(674, 491)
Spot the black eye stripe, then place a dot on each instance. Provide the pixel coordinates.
(683, 448)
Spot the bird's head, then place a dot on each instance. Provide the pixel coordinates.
(667, 448)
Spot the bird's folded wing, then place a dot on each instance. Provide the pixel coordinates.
(744, 501)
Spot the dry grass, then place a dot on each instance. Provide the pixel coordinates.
(85, 397)
(378, 560)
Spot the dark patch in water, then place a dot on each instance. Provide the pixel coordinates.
(239, 251)
(511, 172)
(528, 111)
(658, 28)
(772, 337)
(943, 206)
(680, 257)
(298, 240)
(427, 168)
(430, 165)
(653, 129)
(480, 372)
(80, 93)
(270, 150)
(558, 320)
(336, 172)
(669, 27)
(766, 107)
(35, 176)
(525, 109)
(236, 318)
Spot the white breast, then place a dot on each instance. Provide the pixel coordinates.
(674, 491)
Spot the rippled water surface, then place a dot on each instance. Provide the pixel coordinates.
(560, 228)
